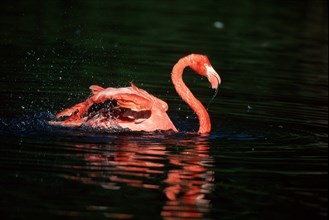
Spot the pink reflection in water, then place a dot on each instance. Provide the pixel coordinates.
(145, 164)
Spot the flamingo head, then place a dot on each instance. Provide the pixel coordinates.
(201, 65)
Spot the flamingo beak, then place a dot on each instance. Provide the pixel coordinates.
(213, 78)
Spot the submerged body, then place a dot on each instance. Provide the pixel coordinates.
(137, 110)
(119, 108)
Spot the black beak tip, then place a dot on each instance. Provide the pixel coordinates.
(215, 92)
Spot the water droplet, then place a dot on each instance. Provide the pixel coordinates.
(218, 24)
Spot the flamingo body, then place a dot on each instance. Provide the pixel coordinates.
(132, 108)
(137, 110)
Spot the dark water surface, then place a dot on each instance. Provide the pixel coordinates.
(266, 157)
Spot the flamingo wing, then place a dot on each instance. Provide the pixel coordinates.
(111, 104)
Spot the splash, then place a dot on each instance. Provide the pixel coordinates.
(216, 91)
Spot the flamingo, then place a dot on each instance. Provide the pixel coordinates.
(135, 109)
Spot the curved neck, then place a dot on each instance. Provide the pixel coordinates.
(185, 93)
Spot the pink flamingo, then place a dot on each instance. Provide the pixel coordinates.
(135, 109)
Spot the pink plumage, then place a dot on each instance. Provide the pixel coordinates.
(137, 110)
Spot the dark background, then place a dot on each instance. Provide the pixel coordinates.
(266, 157)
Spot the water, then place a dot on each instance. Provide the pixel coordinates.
(266, 157)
